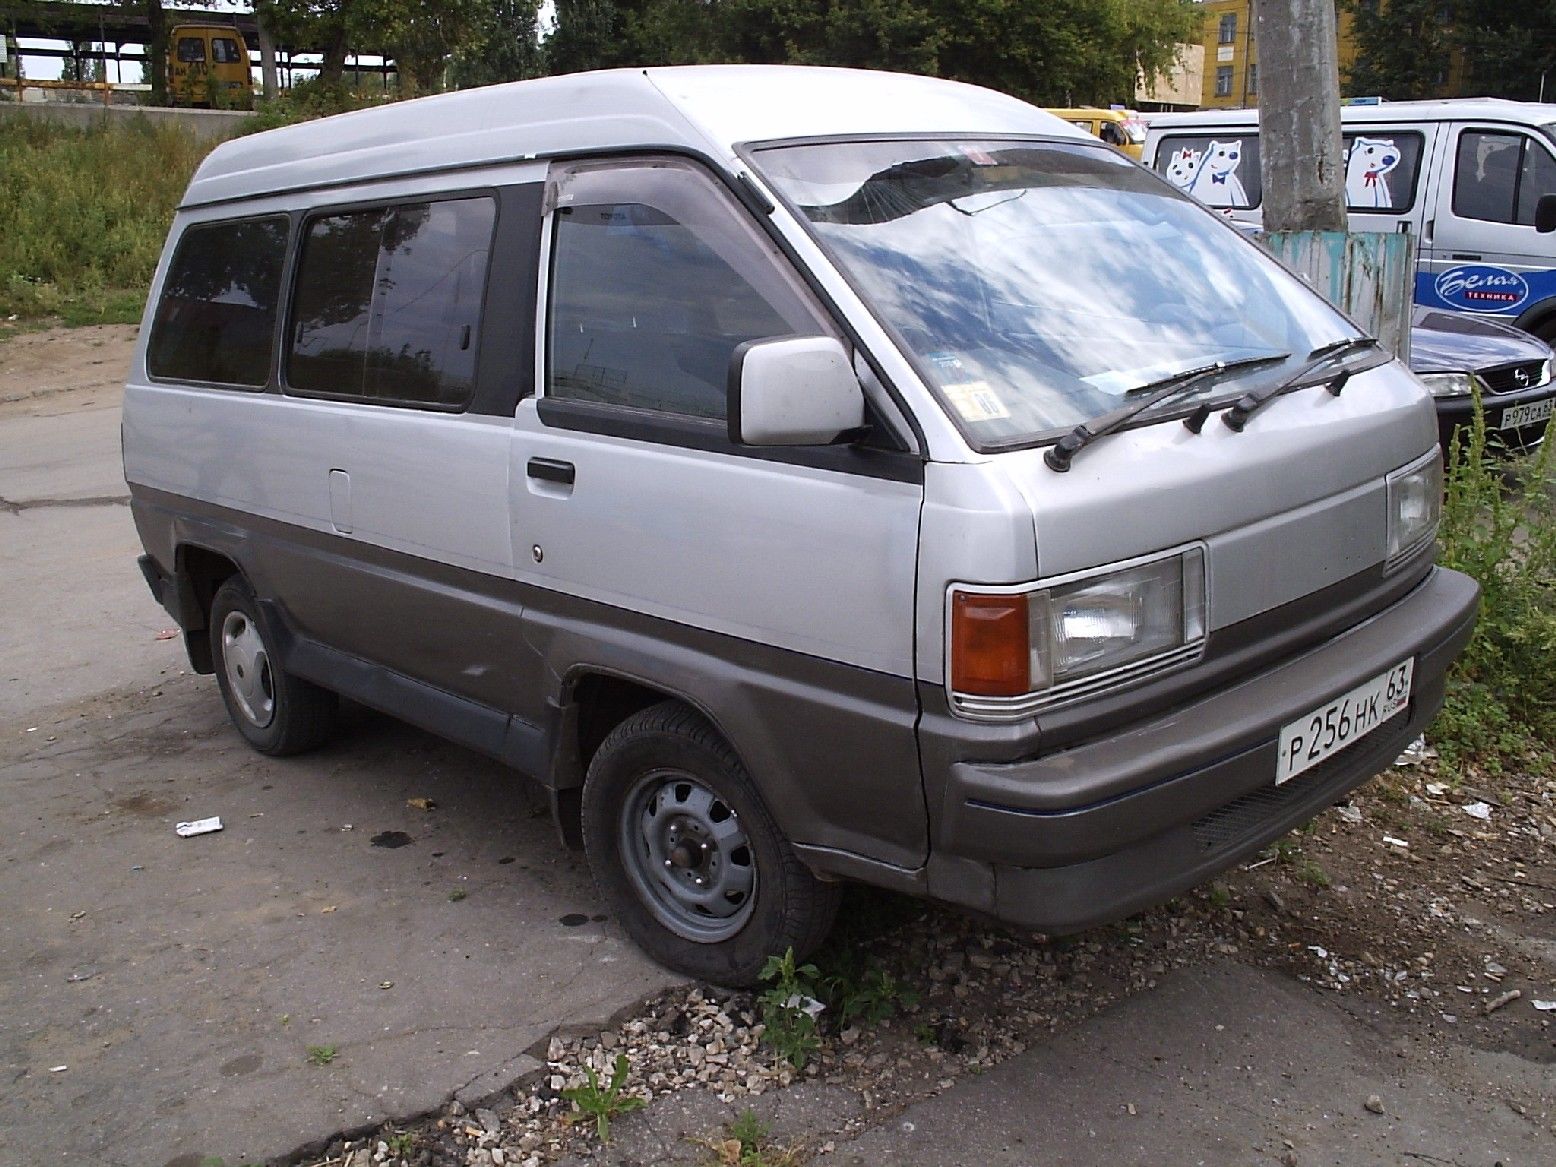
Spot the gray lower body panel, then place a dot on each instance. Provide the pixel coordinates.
(492, 663)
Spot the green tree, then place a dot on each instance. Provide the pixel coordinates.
(507, 47)
(1060, 52)
(1509, 49)
(421, 35)
(588, 35)
(1403, 48)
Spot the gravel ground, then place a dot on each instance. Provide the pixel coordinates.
(1427, 904)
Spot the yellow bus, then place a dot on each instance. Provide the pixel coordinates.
(1123, 128)
(208, 67)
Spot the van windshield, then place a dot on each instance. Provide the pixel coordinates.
(1038, 283)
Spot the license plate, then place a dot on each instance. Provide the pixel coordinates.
(1327, 730)
(1520, 415)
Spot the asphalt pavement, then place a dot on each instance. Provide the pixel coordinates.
(390, 923)
(334, 957)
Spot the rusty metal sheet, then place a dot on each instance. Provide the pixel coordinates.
(1368, 275)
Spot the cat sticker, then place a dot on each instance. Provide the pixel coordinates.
(1182, 166)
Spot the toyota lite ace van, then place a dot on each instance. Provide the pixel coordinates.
(806, 476)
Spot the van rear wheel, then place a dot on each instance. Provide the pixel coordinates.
(689, 858)
(276, 712)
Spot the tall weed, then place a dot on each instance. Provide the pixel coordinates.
(86, 211)
(1499, 526)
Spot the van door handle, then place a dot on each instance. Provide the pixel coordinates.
(1464, 255)
(550, 470)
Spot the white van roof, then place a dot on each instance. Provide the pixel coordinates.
(705, 108)
(1495, 109)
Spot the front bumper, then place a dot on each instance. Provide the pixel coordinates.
(1050, 843)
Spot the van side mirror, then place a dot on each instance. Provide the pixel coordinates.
(793, 391)
(1545, 214)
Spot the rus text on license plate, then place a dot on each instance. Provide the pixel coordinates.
(1520, 415)
(1325, 731)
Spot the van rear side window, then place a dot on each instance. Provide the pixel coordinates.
(1219, 170)
(217, 314)
(388, 303)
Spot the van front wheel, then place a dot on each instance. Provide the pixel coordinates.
(276, 712)
(686, 854)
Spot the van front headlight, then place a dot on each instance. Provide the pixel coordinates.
(1012, 651)
(1415, 499)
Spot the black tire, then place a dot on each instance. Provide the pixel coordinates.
(277, 713)
(664, 783)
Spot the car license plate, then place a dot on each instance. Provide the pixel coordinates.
(1327, 730)
(1520, 415)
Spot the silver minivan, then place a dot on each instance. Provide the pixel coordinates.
(806, 476)
(1465, 177)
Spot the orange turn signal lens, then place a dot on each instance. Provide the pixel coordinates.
(991, 648)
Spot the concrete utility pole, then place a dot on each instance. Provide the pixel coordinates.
(1299, 116)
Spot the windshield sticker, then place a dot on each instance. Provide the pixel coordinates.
(977, 157)
(976, 401)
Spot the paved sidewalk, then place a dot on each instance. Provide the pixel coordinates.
(1228, 1065)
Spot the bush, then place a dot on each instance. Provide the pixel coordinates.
(311, 99)
(87, 210)
(1498, 527)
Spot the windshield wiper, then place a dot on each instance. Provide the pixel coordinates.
(1237, 417)
(1062, 453)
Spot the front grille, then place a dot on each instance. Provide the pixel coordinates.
(1509, 378)
(1245, 816)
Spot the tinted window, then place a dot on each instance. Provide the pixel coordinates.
(1221, 171)
(388, 303)
(1485, 178)
(656, 278)
(191, 49)
(1536, 179)
(217, 313)
(1380, 170)
(224, 51)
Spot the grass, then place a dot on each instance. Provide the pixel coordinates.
(321, 1055)
(86, 213)
(747, 1144)
(603, 1102)
(1499, 526)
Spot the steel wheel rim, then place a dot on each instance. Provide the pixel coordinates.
(687, 856)
(246, 663)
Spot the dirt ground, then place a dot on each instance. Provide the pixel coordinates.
(1432, 929)
(63, 370)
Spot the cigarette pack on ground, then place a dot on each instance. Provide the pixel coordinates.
(199, 827)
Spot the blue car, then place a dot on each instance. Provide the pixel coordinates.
(1452, 352)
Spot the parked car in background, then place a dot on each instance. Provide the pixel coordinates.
(1123, 128)
(1465, 177)
(1453, 353)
